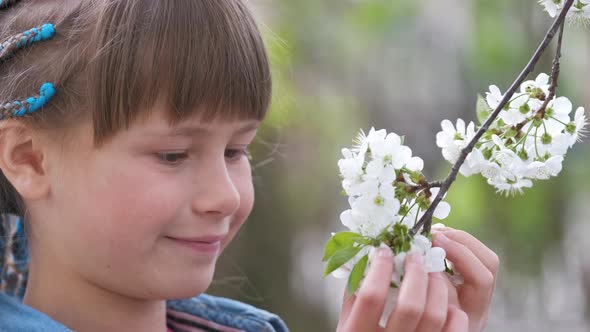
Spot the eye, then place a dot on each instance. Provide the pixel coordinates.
(172, 158)
(236, 154)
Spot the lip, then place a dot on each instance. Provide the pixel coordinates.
(210, 244)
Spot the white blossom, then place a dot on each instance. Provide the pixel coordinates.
(551, 6)
(526, 142)
(443, 209)
(510, 187)
(452, 140)
(544, 170)
(494, 97)
(579, 12)
(577, 127)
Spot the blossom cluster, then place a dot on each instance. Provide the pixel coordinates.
(385, 185)
(388, 194)
(579, 12)
(526, 142)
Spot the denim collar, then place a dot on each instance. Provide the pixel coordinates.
(201, 313)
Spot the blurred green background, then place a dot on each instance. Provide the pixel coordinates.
(342, 65)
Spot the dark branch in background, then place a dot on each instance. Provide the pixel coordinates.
(426, 219)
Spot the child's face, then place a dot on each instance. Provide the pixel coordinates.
(118, 208)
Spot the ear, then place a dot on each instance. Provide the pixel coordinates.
(21, 160)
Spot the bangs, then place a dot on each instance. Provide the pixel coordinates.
(198, 57)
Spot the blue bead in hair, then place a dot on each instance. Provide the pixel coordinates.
(32, 104)
(45, 32)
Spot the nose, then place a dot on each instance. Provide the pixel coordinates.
(217, 195)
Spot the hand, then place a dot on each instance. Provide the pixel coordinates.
(422, 305)
(479, 267)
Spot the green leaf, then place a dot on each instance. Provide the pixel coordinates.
(340, 257)
(340, 241)
(482, 109)
(356, 275)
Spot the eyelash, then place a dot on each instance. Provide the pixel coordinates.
(234, 155)
(162, 157)
(238, 154)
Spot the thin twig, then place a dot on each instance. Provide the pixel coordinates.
(426, 219)
(554, 73)
(435, 184)
(423, 185)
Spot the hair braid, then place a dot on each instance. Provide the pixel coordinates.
(17, 108)
(44, 32)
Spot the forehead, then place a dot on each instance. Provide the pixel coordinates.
(158, 122)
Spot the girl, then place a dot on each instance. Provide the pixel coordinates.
(123, 150)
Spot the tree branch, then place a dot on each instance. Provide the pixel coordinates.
(426, 219)
(554, 73)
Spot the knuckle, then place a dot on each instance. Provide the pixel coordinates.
(486, 279)
(459, 233)
(369, 298)
(434, 318)
(494, 262)
(460, 315)
(410, 311)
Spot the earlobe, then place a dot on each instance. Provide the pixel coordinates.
(21, 160)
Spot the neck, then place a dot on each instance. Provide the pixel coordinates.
(83, 306)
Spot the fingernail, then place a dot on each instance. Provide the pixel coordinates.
(415, 258)
(384, 252)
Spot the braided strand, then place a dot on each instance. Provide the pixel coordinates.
(44, 32)
(18, 108)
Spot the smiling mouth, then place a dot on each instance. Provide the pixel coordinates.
(210, 245)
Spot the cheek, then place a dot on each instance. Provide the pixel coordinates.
(117, 214)
(122, 206)
(243, 182)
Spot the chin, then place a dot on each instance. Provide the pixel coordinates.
(188, 287)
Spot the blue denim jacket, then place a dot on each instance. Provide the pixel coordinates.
(201, 313)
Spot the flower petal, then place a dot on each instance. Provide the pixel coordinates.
(443, 209)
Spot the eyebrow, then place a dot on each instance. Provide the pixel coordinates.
(200, 131)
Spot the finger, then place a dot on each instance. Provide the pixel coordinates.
(412, 296)
(435, 312)
(372, 294)
(488, 257)
(452, 290)
(457, 321)
(473, 270)
(347, 303)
